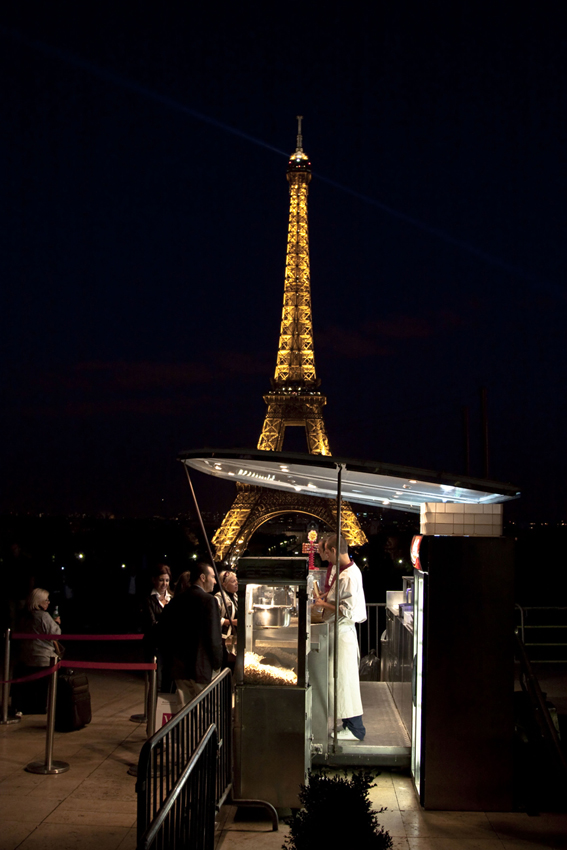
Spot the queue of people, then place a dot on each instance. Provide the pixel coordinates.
(190, 634)
(193, 633)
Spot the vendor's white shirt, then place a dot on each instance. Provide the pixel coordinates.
(352, 602)
(352, 609)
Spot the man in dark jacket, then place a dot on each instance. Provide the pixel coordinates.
(191, 634)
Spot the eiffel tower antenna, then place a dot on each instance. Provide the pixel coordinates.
(295, 399)
(299, 145)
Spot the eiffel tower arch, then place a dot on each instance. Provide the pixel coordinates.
(295, 399)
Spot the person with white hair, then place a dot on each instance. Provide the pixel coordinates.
(228, 615)
(36, 654)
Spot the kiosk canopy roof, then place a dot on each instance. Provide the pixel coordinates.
(363, 482)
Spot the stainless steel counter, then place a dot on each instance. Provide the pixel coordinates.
(397, 663)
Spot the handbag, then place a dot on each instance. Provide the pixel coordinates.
(59, 648)
(167, 706)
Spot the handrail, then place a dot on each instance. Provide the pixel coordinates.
(535, 627)
(522, 617)
(543, 717)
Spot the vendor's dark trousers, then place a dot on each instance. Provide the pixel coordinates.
(355, 725)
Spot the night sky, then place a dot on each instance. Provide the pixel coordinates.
(144, 222)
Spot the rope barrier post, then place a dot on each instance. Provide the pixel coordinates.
(151, 710)
(152, 702)
(7, 721)
(49, 766)
(143, 718)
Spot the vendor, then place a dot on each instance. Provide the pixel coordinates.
(352, 609)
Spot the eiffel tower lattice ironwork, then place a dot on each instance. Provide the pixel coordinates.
(295, 399)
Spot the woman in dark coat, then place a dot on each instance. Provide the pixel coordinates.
(153, 609)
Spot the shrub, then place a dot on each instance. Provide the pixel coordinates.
(334, 806)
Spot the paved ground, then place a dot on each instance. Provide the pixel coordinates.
(93, 805)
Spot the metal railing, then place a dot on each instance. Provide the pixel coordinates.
(186, 818)
(168, 760)
(543, 630)
(369, 632)
(541, 714)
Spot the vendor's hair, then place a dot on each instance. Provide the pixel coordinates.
(36, 597)
(197, 569)
(160, 570)
(331, 543)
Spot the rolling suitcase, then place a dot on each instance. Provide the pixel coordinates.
(73, 708)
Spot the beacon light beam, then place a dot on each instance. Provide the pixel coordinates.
(446, 237)
(130, 85)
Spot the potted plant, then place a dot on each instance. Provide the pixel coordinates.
(333, 804)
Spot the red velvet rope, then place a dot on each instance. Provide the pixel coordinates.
(88, 665)
(35, 636)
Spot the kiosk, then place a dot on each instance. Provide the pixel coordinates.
(446, 704)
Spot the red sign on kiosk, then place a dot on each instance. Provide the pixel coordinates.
(414, 551)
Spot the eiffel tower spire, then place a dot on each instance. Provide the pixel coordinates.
(294, 399)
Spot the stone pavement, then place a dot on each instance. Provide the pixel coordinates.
(93, 805)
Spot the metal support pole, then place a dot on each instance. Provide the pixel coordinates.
(484, 412)
(143, 718)
(210, 551)
(466, 440)
(152, 702)
(49, 766)
(337, 601)
(151, 707)
(6, 721)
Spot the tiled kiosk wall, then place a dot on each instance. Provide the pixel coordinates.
(456, 520)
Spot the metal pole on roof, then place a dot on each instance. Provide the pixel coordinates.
(466, 440)
(204, 533)
(340, 467)
(484, 413)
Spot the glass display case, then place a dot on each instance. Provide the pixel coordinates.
(272, 693)
(272, 605)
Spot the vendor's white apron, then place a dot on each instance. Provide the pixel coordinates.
(349, 703)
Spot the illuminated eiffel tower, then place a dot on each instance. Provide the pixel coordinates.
(295, 399)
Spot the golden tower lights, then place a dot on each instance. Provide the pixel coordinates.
(294, 399)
